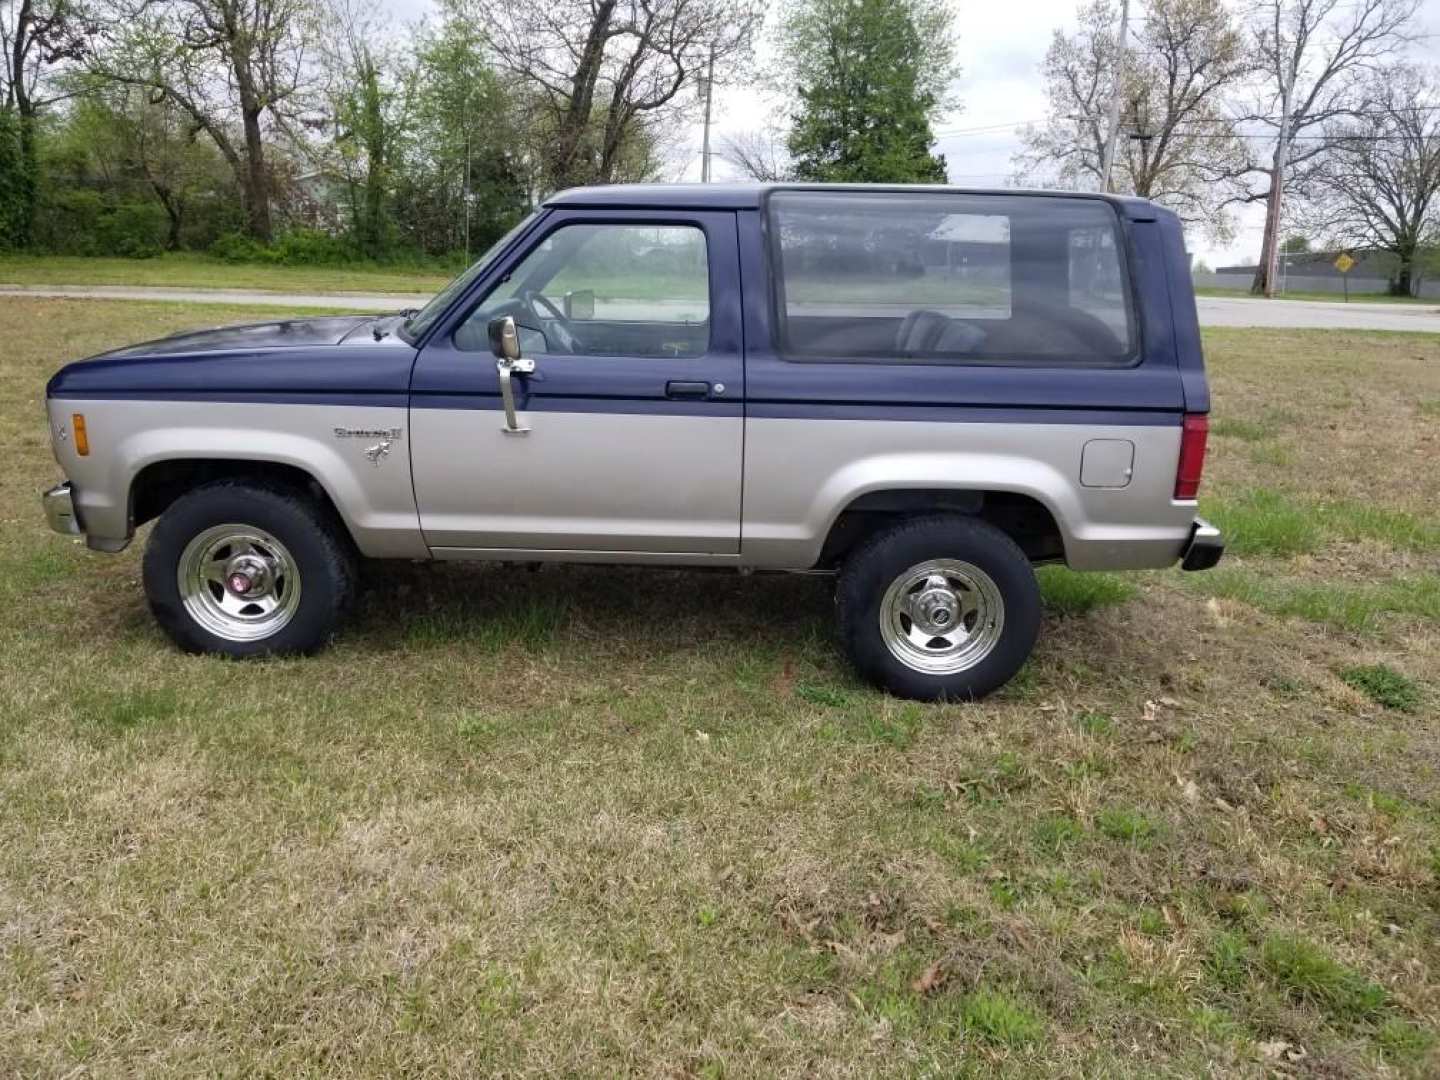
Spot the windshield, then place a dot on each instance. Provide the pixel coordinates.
(418, 324)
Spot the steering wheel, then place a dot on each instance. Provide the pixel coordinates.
(563, 329)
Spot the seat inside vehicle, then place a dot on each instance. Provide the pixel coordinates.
(993, 280)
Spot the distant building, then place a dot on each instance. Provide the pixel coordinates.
(1314, 271)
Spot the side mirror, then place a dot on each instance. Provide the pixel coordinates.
(580, 304)
(504, 338)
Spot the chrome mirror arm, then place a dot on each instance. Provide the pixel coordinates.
(506, 369)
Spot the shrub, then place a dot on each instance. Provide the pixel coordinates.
(235, 247)
(133, 230)
(311, 247)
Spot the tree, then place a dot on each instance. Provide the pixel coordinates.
(220, 61)
(1295, 244)
(35, 36)
(137, 148)
(870, 77)
(1176, 145)
(1313, 55)
(756, 155)
(1377, 185)
(371, 95)
(601, 78)
(463, 179)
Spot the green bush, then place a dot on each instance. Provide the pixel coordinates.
(312, 247)
(236, 247)
(298, 247)
(133, 230)
(67, 222)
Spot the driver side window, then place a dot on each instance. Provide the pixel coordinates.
(605, 290)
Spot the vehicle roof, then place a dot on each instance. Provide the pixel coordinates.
(749, 196)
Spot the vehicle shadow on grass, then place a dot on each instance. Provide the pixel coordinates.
(496, 606)
(637, 615)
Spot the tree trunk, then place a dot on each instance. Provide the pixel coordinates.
(29, 178)
(1404, 276)
(256, 179)
(575, 120)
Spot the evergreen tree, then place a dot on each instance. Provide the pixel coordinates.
(869, 77)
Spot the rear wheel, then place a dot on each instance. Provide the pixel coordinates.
(243, 570)
(939, 607)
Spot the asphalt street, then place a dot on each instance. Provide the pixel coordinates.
(1214, 310)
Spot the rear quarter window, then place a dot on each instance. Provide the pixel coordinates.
(940, 278)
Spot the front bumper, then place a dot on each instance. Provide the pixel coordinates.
(1204, 548)
(60, 510)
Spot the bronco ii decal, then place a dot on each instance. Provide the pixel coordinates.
(368, 433)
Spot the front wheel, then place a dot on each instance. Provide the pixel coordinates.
(938, 607)
(242, 570)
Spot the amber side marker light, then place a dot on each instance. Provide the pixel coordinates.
(82, 438)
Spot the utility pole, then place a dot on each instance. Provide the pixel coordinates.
(709, 94)
(1112, 130)
(1277, 185)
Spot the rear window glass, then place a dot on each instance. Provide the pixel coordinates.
(950, 278)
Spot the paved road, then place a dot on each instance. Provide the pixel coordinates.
(1214, 310)
(1323, 314)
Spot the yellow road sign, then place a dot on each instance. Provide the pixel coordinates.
(1344, 263)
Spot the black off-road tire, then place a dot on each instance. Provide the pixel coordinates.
(884, 557)
(315, 540)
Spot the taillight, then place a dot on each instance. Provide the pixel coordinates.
(1193, 433)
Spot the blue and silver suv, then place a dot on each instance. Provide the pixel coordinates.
(924, 391)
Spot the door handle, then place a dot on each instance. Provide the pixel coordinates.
(506, 369)
(681, 389)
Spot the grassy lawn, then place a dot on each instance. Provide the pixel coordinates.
(192, 271)
(555, 823)
(1332, 298)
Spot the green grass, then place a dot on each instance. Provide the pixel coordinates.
(1260, 522)
(1232, 428)
(1264, 522)
(1358, 608)
(1126, 825)
(998, 1018)
(551, 824)
(1066, 592)
(1383, 685)
(194, 271)
(1307, 974)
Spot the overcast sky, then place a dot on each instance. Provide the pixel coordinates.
(1001, 46)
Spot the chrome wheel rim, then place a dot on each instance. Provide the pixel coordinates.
(239, 582)
(942, 616)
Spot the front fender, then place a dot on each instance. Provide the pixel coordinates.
(374, 498)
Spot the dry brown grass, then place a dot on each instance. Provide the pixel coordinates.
(524, 824)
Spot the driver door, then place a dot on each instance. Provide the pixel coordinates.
(631, 421)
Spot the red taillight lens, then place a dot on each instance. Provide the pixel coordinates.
(1193, 435)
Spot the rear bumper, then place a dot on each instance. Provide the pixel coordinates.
(1204, 548)
(60, 510)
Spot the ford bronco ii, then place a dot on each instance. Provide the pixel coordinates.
(924, 391)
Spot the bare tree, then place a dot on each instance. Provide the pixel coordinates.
(1377, 185)
(756, 154)
(1314, 55)
(604, 75)
(220, 61)
(1176, 145)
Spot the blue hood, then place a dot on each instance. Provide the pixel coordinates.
(327, 360)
